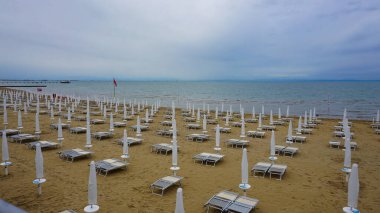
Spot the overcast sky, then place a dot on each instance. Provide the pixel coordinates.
(190, 40)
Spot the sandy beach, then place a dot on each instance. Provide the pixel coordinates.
(313, 181)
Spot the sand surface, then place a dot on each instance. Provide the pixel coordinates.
(312, 183)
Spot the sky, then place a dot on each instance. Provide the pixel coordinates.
(190, 40)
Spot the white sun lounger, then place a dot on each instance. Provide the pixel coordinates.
(43, 144)
(166, 123)
(193, 126)
(162, 148)
(165, 132)
(164, 183)
(256, 134)
(197, 137)
(243, 204)
(224, 129)
(103, 167)
(221, 201)
(189, 119)
(78, 130)
(142, 127)
(64, 126)
(277, 169)
(130, 141)
(98, 121)
(23, 138)
(74, 154)
(237, 142)
(102, 135)
(119, 124)
(260, 167)
(207, 158)
(268, 127)
(10, 132)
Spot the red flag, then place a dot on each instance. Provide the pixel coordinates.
(114, 83)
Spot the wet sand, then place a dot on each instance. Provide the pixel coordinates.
(313, 181)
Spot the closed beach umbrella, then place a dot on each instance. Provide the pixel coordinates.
(227, 119)
(287, 111)
(147, 116)
(378, 116)
(279, 113)
(88, 136)
(344, 114)
(19, 120)
(314, 114)
(68, 115)
(92, 190)
(124, 111)
(4, 151)
(179, 202)
(242, 130)
(273, 145)
(299, 128)
(125, 145)
(138, 127)
(52, 113)
(262, 110)
(39, 162)
(253, 112)
(290, 135)
(216, 113)
(353, 188)
(198, 115)
(25, 108)
(305, 118)
(311, 116)
(174, 127)
(204, 123)
(37, 130)
(174, 166)
(347, 151)
(271, 118)
(244, 173)
(5, 115)
(260, 120)
(105, 112)
(217, 138)
(60, 134)
(111, 122)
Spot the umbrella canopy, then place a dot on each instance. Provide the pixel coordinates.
(217, 137)
(204, 122)
(290, 128)
(88, 135)
(37, 130)
(92, 186)
(244, 167)
(125, 143)
(60, 134)
(353, 187)
(287, 111)
(179, 202)
(299, 128)
(4, 150)
(19, 120)
(260, 120)
(272, 145)
(39, 162)
(271, 118)
(111, 122)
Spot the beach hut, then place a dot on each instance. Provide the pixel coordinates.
(244, 173)
(5, 153)
(39, 169)
(353, 191)
(179, 202)
(92, 191)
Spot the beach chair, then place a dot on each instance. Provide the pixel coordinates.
(277, 169)
(162, 148)
(251, 120)
(304, 131)
(236, 124)
(119, 124)
(79, 118)
(95, 113)
(165, 132)
(268, 127)
(23, 138)
(74, 154)
(278, 123)
(193, 126)
(10, 132)
(290, 151)
(353, 145)
(279, 149)
(224, 129)
(97, 121)
(189, 119)
(78, 130)
(164, 183)
(299, 139)
(102, 135)
(341, 123)
(375, 125)
(335, 144)
(309, 126)
(377, 131)
(44, 145)
(256, 134)
(197, 137)
(260, 167)
(130, 141)
(338, 128)
(221, 201)
(237, 142)
(242, 204)
(150, 120)
(212, 121)
(208, 158)
(287, 119)
(142, 127)
(103, 167)
(64, 126)
(166, 123)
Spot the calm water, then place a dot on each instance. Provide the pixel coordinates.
(362, 99)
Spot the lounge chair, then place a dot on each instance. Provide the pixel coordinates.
(340, 134)
(64, 126)
(260, 167)
(162, 148)
(102, 135)
(338, 128)
(43, 144)
(221, 201)
(243, 204)
(10, 132)
(309, 125)
(279, 149)
(78, 130)
(79, 118)
(277, 169)
(290, 151)
(341, 123)
(353, 145)
(167, 117)
(164, 183)
(297, 138)
(236, 124)
(375, 125)
(304, 131)
(198, 137)
(237, 142)
(130, 141)
(74, 154)
(150, 120)
(256, 134)
(335, 144)
(251, 120)
(119, 124)
(98, 121)
(278, 123)
(268, 127)
(287, 119)
(108, 165)
(193, 126)
(224, 129)
(95, 113)
(189, 119)
(229, 118)
(142, 127)
(207, 158)
(165, 132)
(211, 121)
(23, 138)
(377, 131)
(166, 123)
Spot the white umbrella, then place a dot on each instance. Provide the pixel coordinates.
(271, 118)
(314, 114)
(124, 112)
(216, 113)
(5, 115)
(299, 128)
(230, 110)
(125, 145)
(227, 119)
(208, 109)
(69, 115)
(174, 128)
(105, 112)
(253, 112)
(242, 130)
(138, 127)
(279, 113)
(305, 118)
(344, 114)
(193, 112)
(260, 121)
(353, 191)
(217, 139)
(290, 135)
(378, 116)
(39, 169)
(19, 120)
(37, 130)
(222, 108)
(25, 108)
(198, 115)
(92, 191)
(5, 153)
(244, 173)
(311, 116)
(204, 123)
(60, 134)
(273, 148)
(51, 113)
(88, 136)
(287, 111)
(111, 123)
(262, 110)
(179, 202)
(147, 116)
(174, 166)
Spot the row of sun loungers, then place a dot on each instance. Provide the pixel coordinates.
(286, 150)
(162, 148)
(237, 142)
(338, 144)
(268, 168)
(206, 158)
(197, 137)
(256, 134)
(226, 201)
(44, 145)
(23, 138)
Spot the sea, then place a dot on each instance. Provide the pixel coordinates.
(330, 98)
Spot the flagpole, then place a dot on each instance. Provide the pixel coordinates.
(114, 88)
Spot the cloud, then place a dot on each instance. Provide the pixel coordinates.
(190, 40)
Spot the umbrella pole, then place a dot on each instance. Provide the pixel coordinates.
(6, 170)
(39, 189)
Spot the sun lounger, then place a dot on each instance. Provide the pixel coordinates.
(377, 131)
(251, 120)
(309, 125)
(229, 118)
(278, 123)
(224, 129)
(290, 151)
(189, 119)
(95, 113)
(23, 138)
(103, 167)
(197, 137)
(43, 144)
(338, 128)
(242, 204)
(165, 132)
(335, 144)
(166, 123)
(162, 148)
(296, 138)
(167, 117)
(277, 169)
(212, 121)
(142, 127)
(353, 145)
(304, 131)
(260, 167)
(287, 119)
(164, 183)
(341, 123)
(78, 130)
(268, 127)
(237, 142)
(340, 134)
(128, 118)
(64, 126)
(10, 132)
(256, 134)
(236, 124)
(149, 120)
(193, 126)
(74, 154)
(119, 124)
(375, 125)
(102, 135)
(278, 149)
(130, 141)
(98, 121)
(208, 158)
(68, 211)
(79, 118)
(221, 201)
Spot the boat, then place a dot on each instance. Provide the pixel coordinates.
(65, 82)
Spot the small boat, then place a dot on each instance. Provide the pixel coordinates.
(65, 82)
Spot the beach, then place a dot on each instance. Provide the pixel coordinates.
(313, 181)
